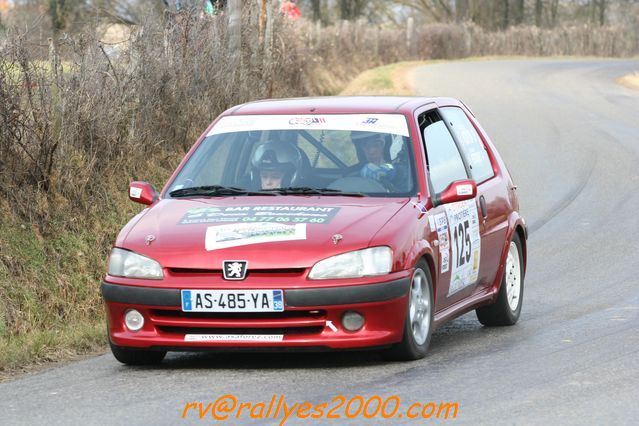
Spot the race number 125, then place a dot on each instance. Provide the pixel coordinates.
(461, 238)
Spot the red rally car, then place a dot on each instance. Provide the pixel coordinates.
(320, 223)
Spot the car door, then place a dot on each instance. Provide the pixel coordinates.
(456, 224)
(491, 191)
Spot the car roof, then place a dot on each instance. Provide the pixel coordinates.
(339, 105)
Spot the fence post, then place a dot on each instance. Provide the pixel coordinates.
(235, 45)
(168, 48)
(235, 31)
(410, 38)
(318, 33)
(268, 47)
(57, 103)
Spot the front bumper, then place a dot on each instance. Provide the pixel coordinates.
(311, 319)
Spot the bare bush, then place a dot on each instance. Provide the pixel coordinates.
(450, 41)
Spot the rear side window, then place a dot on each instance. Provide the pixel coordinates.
(469, 141)
(445, 164)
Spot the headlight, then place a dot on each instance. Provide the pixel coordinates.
(354, 264)
(124, 263)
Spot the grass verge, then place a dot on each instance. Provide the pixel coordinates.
(630, 81)
(52, 309)
(37, 349)
(388, 80)
(395, 79)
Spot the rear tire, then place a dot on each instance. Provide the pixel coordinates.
(131, 356)
(507, 308)
(418, 326)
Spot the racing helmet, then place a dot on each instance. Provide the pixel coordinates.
(277, 155)
(359, 137)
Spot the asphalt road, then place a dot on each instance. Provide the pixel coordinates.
(570, 137)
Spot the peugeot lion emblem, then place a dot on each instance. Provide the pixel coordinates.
(235, 269)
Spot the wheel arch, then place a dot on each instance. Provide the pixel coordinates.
(517, 226)
(523, 239)
(430, 261)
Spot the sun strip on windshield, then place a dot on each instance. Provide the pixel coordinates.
(394, 124)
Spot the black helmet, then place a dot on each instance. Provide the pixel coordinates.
(276, 155)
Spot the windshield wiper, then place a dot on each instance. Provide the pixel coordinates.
(214, 191)
(306, 190)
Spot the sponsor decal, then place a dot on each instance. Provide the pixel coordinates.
(242, 234)
(441, 225)
(306, 121)
(394, 124)
(233, 337)
(465, 244)
(135, 192)
(431, 223)
(445, 255)
(464, 189)
(252, 214)
(421, 209)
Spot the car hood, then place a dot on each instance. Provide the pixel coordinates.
(269, 232)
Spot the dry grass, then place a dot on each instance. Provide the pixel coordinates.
(631, 80)
(36, 350)
(388, 80)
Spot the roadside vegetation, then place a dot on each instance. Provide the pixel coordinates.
(80, 118)
(387, 80)
(630, 80)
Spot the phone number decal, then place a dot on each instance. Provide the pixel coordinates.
(281, 214)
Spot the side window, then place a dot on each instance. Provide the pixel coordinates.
(469, 141)
(445, 164)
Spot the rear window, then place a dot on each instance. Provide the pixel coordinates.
(471, 144)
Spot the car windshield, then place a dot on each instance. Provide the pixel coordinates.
(346, 154)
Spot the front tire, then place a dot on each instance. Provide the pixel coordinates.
(131, 356)
(418, 326)
(507, 308)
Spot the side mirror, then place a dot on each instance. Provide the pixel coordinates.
(142, 192)
(459, 190)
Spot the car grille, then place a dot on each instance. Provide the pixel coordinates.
(287, 322)
(281, 273)
(257, 331)
(233, 315)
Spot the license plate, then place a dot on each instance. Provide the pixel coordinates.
(232, 301)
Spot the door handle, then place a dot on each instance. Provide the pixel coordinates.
(482, 206)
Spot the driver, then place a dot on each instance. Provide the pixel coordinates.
(275, 164)
(371, 152)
